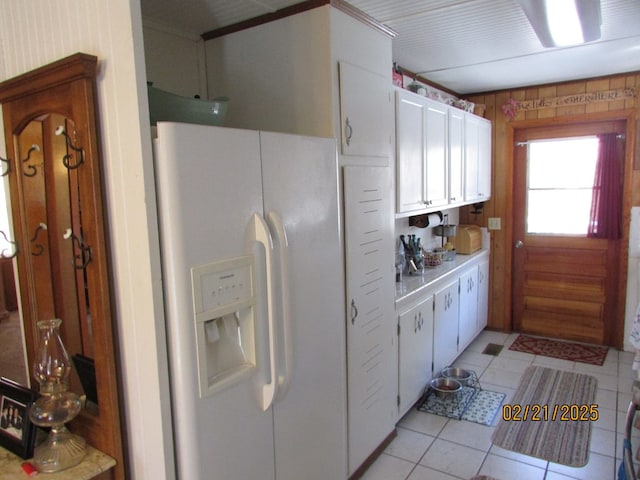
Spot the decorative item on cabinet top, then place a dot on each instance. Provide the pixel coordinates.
(166, 106)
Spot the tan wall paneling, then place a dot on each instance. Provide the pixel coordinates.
(500, 204)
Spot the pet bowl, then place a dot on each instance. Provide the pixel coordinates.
(464, 377)
(445, 386)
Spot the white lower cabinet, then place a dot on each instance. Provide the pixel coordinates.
(445, 326)
(415, 343)
(437, 322)
(483, 295)
(468, 319)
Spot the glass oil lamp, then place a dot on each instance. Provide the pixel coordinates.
(56, 405)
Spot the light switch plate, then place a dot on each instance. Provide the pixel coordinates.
(494, 223)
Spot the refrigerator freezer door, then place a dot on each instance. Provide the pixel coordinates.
(209, 186)
(301, 187)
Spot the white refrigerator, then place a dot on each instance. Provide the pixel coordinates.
(253, 279)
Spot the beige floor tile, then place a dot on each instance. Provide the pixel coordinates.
(409, 445)
(387, 467)
(426, 473)
(505, 468)
(431, 447)
(469, 434)
(453, 458)
(518, 457)
(422, 422)
(599, 467)
(504, 378)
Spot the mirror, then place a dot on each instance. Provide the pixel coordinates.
(58, 247)
(52, 211)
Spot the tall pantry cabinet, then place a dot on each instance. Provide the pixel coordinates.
(327, 72)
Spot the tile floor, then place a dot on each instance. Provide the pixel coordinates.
(431, 447)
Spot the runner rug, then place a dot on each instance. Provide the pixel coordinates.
(575, 352)
(550, 416)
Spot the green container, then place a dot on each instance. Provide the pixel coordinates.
(165, 106)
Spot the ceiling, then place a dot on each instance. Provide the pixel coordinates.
(467, 46)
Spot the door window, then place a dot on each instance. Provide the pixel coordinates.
(560, 176)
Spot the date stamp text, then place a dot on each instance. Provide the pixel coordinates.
(542, 412)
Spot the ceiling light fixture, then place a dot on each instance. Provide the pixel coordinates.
(559, 23)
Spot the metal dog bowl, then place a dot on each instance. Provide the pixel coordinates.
(445, 386)
(464, 377)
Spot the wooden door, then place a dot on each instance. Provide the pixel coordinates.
(564, 285)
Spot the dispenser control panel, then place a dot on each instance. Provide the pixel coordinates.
(223, 284)
(224, 307)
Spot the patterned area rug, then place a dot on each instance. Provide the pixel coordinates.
(471, 404)
(550, 416)
(575, 352)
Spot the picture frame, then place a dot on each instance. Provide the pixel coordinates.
(17, 432)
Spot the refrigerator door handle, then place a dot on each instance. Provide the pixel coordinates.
(281, 243)
(261, 235)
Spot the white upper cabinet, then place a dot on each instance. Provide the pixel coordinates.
(437, 185)
(456, 156)
(421, 154)
(366, 113)
(477, 184)
(484, 159)
(410, 158)
(443, 156)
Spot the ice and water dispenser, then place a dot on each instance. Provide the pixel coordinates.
(224, 302)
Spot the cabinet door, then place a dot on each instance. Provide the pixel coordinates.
(477, 158)
(445, 326)
(456, 156)
(410, 144)
(468, 315)
(415, 344)
(366, 114)
(372, 354)
(471, 159)
(437, 191)
(484, 159)
(483, 295)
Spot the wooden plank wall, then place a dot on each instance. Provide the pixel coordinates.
(501, 200)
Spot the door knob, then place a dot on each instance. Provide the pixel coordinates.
(519, 244)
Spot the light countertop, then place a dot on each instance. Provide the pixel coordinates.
(412, 286)
(94, 463)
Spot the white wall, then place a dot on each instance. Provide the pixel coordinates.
(34, 33)
(174, 61)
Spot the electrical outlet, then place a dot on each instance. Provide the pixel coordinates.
(494, 223)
